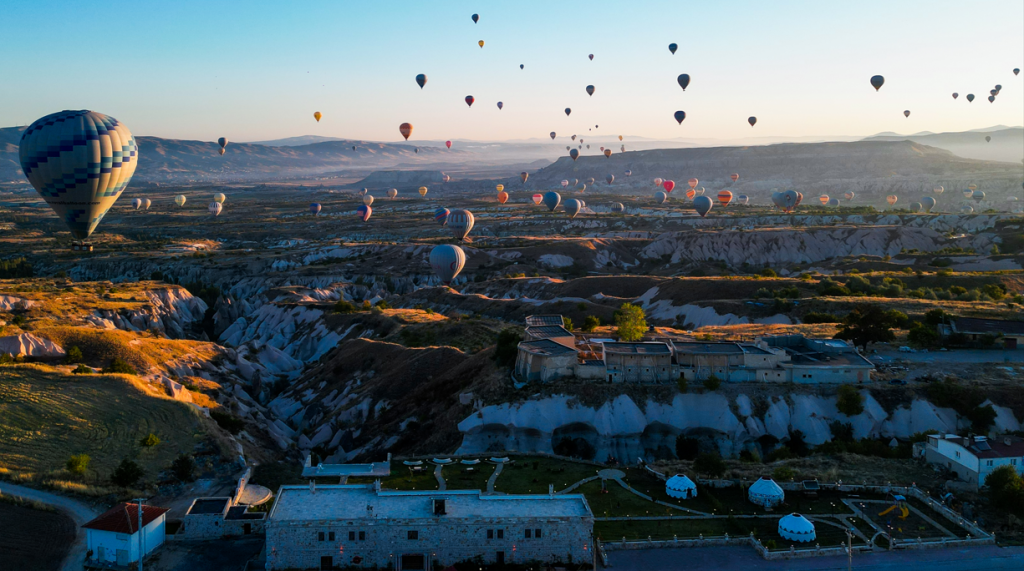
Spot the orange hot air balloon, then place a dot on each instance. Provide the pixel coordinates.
(692, 182)
(608, 153)
(537, 198)
(725, 197)
(823, 199)
(734, 176)
(502, 197)
(691, 193)
(891, 199)
(620, 137)
(317, 116)
(405, 129)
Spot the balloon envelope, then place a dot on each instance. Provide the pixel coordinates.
(742, 199)
(502, 197)
(672, 48)
(423, 191)
(137, 203)
(735, 177)
(680, 115)
(692, 182)
(725, 197)
(219, 197)
(610, 178)
(447, 260)
(179, 200)
(565, 183)
(405, 129)
(567, 111)
(848, 195)
(906, 113)
(537, 198)
(978, 196)
(684, 80)
(891, 199)
(441, 216)
(317, 115)
(80, 162)
(574, 153)
(552, 200)
(590, 90)
(572, 207)
(928, 203)
(215, 208)
(618, 207)
(146, 203)
(421, 80)
(460, 222)
(469, 100)
(938, 190)
(823, 199)
(661, 197)
(368, 200)
(364, 211)
(314, 208)
(476, 18)
(970, 98)
(751, 120)
(833, 202)
(552, 134)
(393, 192)
(668, 185)
(657, 182)
(877, 81)
(524, 175)
(702, 204)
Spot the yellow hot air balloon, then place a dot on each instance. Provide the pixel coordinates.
(219, 198)
(423, 191)
(973, 187)
(317, 116)
(481, 43)
(500, 187)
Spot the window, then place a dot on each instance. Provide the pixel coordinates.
(321, 536)
(501, 534)
(989, 463)
(351, 536)
(330, 536)
(490, 534)
(362, 536)
(536, 533)
(412, 534)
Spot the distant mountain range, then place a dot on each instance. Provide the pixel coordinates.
(1007, 143)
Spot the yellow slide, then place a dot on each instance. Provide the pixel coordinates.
(905, 512)
(892, 507)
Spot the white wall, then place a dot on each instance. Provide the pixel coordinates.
(112, 542)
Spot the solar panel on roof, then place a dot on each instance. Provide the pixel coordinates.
(982, 446)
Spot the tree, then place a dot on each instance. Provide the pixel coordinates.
(74, 355)
(507, 347)
(631, 322)
(149, 441)
(712, 383)
(591, 323)
(710, 464)
(869, 323)
(982, 417)
(1005, 489)
(923, 335)
(344, 307)
(568, 323)
(183, 467)
(78, 464)
(687, 448)
(850, 401)
(119, 365)
(126, 474)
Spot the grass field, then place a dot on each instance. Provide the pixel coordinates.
(100, 346)
(46, 416)
(765, 529)
(532, 474)
(33, 539)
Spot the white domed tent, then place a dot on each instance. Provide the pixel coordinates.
(796, 527)
(765, 492)
(680, 486)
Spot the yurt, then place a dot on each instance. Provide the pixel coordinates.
(680, 486)
(796, 527)
(765, 492)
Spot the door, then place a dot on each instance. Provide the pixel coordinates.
(246, 528)
(414, 562)
(326, 562)
(500, 558)
(1010, 342)
(100, 552)
(122, 557)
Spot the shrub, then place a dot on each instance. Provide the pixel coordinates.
(820, 318)
(149, 441)
(126, 474)
(923, 335)
(183, 467)
(768, 273)
(1005, 489)
(591, 323)
(383, 305)
(982, 417)
(119, 365)
(232, 424)
(710, 464)
(568, 323)
(712, 383)
(850, 401)
(507, 347)
(78, 464)
(74, 355)
(682, 384)
(783, 473)
(344, 307)
(581, 306)
(81, 370)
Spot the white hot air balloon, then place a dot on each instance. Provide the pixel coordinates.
(367, 199)
(180, 200)
(447, 260)
(392, 193)
(137, 203)
(146, 203)
(215, 208)
(461, 223)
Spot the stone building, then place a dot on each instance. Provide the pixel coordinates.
(214, 518)
(326, 527)
(731, 362)
(648, 362)
(544, 360)
(819, 361)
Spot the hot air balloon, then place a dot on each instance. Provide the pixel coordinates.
(364, 192)
(476, 18)
(480, 43)
(583, 188)
(735, 177)
(314, 208)
(524, 175)
(823, 199)
(368, 200)
(724, 197)
(906, 113)
(180, 200)
(928, 203)
(405, 129)
(1016, 70)
(629, 173)
(955, 95)
(661, 197)
(502, 197)
(223, 142)
(470, 100)
(702, 204)
(537, 198)
(445, 177)
(572, 207)
(680, 115)
(617, 207)
(658, 181)
(668, 185)
(552, 133)
(565, 183)
(137, 203)
(423, 191)
(967, 209)
(972, 187)
(521, 66)
(891, 199)
(692, 182)
(500, 187)
(460, 222)
(215, 208)
(967, 192)
(552, 200)
(610, 178)
(317, 115)
(590, 90)
(591, 56)
(833, 202)
(848, 195)
(447, 260)
(364, 211)
(392, 193)
(421, 80)
(441, 216)
(790, 199)
(877, 81)
(567, 111)
(988, 139)
(448, 144)
(574, 153)
(146, 203)
(742, 199)
(608, 153)
(588, 146)
(219, 198)
(690, 194)
(970, 97)
(978, 196)
(672, 48)
(991, 98)
(916, 207)
(700, 191)
(938, 190)
(574, 138)
(620, 137)
(500, 105)
(684, 80)
(574, 181)
(751, 120)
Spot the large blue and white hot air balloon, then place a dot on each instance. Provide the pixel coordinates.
(552, 200)
(80, 162)
(447, 260)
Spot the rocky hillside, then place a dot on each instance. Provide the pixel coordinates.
(1006, 145)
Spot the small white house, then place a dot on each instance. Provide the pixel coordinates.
(796, 527)
(765, 492)
(680, 486)
(113, 537)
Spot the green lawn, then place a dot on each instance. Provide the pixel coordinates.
(461, 477)
(402, 478)
(764, 529)
(532, 474)
(617, 501)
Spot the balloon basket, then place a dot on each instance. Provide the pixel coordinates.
(81, 246)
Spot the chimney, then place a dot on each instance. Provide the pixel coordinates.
(1007, 441)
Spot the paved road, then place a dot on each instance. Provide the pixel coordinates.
(988, 558)
(78, 512)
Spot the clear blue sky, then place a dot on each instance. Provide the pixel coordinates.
(258, 70)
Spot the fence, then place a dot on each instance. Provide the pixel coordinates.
(764, 552)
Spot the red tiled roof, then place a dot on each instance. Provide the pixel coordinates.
(124, 518)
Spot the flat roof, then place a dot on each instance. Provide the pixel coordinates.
(978, 325)
(722, 348)
(545, 347)
(547, 331)
(650, 348)
(203, 506)
(327, 470)
(834, 360)
(548, 319)
(363, 502)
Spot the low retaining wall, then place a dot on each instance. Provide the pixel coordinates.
(751, 541)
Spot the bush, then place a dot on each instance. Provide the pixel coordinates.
(78, 464)
(507, 347)
(568, 323)
(383, 305)
(982, 417)
(81, 370)
(119, 365)
(1005, 489)
(591, 323)
(344, 307)
(712, 383)
(687, 448)
(783, 473)
(126, 474)
(850, 401)
(183, 467)
(709, 464)
(820, 318)
(682, 384)
(768, 273)
(149, 441)
(232, 424)
(74, 355)
(923, 335)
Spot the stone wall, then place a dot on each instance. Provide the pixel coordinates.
(201, 526)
